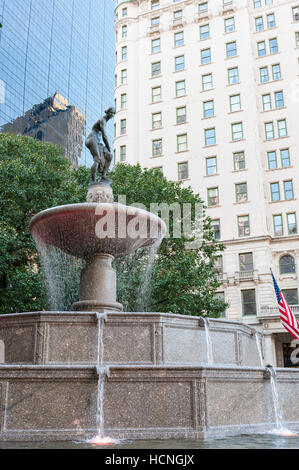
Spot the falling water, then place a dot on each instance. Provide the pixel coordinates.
(259, 349)
(61, 277)
(144, 294)
(102, 376)
(275, 397)
(103, 371)
(210, 357)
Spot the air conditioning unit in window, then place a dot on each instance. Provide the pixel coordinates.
(296, 16)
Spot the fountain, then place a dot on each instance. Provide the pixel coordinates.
(97, 370)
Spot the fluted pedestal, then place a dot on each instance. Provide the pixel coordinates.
(98, 286)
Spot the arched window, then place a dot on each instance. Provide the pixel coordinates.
(287, 264)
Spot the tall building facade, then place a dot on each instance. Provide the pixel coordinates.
(56, 69)
(207, 91)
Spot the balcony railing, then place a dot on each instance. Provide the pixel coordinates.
(246, 275)
(273, 310)
(228, 7)
(202, 15)
(178, 23)
(154, 29)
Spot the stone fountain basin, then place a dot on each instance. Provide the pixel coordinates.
(82, 230)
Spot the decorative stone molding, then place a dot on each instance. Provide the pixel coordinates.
(100, 193)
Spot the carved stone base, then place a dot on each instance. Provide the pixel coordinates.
(100, 192)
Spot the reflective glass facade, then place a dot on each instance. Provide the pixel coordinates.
(57, 67)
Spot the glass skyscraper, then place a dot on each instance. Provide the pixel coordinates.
(56, 69)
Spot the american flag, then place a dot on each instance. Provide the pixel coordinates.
(287, 317)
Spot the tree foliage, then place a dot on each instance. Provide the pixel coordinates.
(34, 176)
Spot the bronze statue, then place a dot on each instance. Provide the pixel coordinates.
(101, 152)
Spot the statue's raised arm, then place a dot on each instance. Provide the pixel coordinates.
(98, 144)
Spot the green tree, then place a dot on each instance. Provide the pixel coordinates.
(33, 177)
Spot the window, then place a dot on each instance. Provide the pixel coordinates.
(233, 75)
(182, 143)
(208, 108)
(157, 148)
(261, 48)
(291, 296)
(243, 226)
(213, 197)
(123, 101)
(179, 39)
(271, 20)
(287, 264)
(156, 69)
(124, 31)
(124, 53)
(155, 4)
(292, 223)
(235, 103)
(210, 137)
(203, 7)
(123, 126)
(155, 21)
(279, 101)
(267, 104)
(221, 296)
(282, 128)
(205, 55)
(207, 82)
(264, 74)
(229, 25)
(272, 160)
(183, 171)
(259, 23)
(179, 63)
(269, 130)
(124, 77)
(124, 12)
(237, 131)
(295, 13)
(215, 227)
(178, 14)
(257, 3)
(275, 192)
(181, 115)
(204, 31)
(156, 45)
(123, 153)
(297, 39)
(115, 80)
(273, 45)
(288, 190)
(156, 94)
(180, 88)
(156, 120)
(211, 166)
(239, 161)
(276, 74)
(241, 192)
(285, 158)
(278, 225)
(248, 302)
(246, 262)
(231, 49)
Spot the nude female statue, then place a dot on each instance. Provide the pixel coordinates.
(101, 152)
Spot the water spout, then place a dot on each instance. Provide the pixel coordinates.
(144, 295)
(259, 349)
(205, 322)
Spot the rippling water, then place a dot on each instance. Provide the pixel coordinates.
(256, 441)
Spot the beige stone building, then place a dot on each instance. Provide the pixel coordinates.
(55, 121)
(208, 91)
